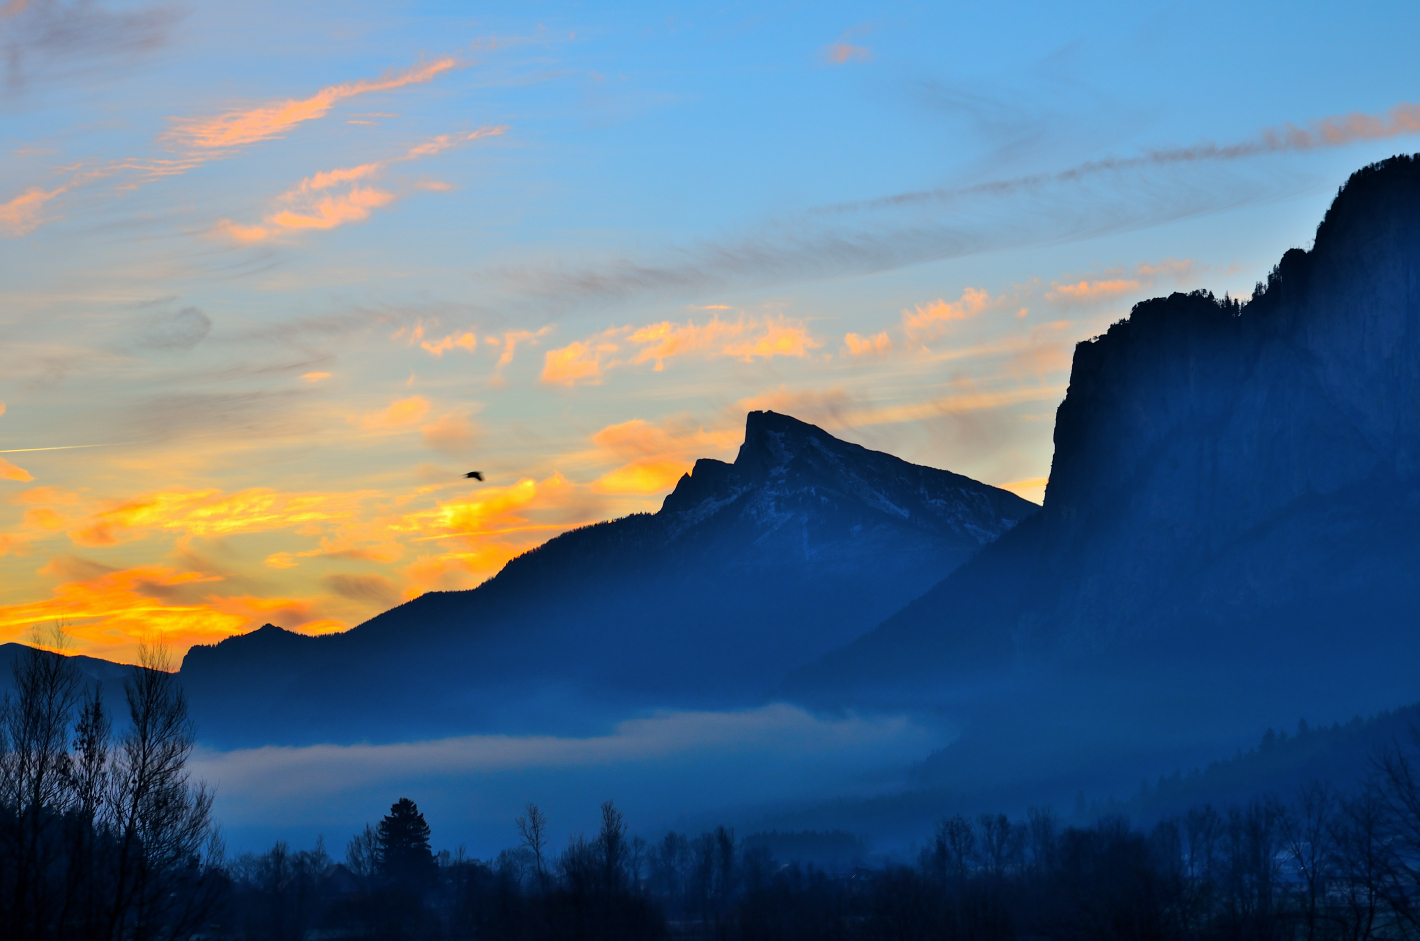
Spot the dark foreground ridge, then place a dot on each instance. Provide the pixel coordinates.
(1229, 531)
(749, 570)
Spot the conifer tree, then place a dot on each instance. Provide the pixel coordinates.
(404, 854)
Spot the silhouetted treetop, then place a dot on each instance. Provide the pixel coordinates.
(404, 854)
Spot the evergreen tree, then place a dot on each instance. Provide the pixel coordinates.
(404, 854)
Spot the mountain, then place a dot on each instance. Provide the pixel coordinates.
(748, 570)
(1231, 533)
(109, 676)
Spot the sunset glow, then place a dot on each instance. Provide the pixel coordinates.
(265, 303)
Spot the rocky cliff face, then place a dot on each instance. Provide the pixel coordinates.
(1229, 482)
(748, 570)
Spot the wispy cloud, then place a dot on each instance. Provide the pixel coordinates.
(1117, 283)
(874, 235)
(401, 414)
(929, 321)
(336, 197)
(201, 140)
(239, 127)
(211, 513)
(845, 50)
(841, 53)
(747, 339)
(24, 213)
(875, 345)
(9, 471)
(1332, 131)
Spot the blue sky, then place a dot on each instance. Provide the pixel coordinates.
(286, 271)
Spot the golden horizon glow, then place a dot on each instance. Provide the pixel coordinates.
(264, 309)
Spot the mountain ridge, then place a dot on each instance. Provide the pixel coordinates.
(816, 539)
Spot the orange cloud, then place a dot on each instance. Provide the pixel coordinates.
(1089, 291)
(50, 495)
(661, 341)
(490, 510)
(331, 211)
(840, 53)
(489, 526)
(638, 439)
(9, 471)
(315, 376)
(24, 213)
(929, 321)
(452, 571)
(1115, 284)
(110, 613)
(240, 127)
(867, 346)
(641, 477)
(511, 339)
(654, 456)
(212, 513)
(336, 197)
(466, 341)
(574, 363)
(747, 338)
(778, 339)
(246, 234)
(400, 414)
(43, 518)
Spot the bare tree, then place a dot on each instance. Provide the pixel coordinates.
(1360, 835)
(362, 855)
(34, 776)
(162, 822)
(1307, 838)
(532, 829)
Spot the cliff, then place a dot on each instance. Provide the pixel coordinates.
(1234, 497)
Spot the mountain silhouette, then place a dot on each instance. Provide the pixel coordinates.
(1230, 536)
(749, 570)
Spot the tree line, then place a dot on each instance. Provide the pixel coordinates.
(103, 835)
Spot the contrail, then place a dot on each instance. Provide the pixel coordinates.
(1333, 131)
(62, 447)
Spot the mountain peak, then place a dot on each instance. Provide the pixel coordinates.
(772, 440)
(749, 569)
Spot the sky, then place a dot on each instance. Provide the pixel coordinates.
(273, 277)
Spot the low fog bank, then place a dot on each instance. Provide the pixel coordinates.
(662, 771)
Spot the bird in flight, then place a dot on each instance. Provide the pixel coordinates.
(474, 475)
